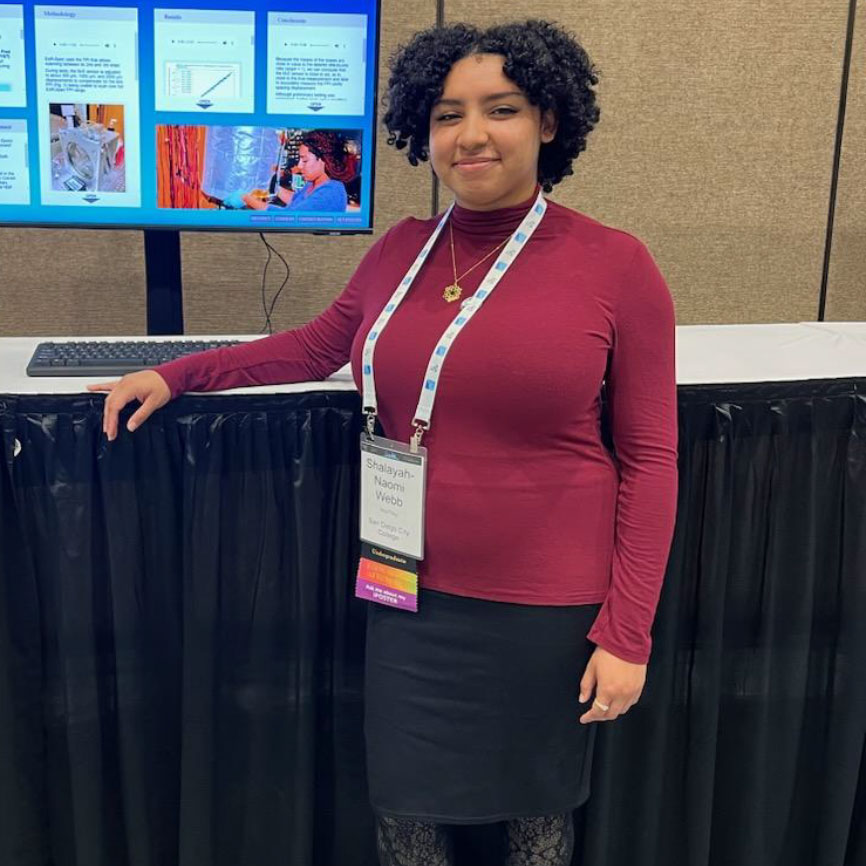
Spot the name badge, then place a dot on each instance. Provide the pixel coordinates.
(393, 481)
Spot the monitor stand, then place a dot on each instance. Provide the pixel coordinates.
(164, 293)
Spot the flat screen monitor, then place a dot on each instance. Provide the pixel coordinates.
(207, 114)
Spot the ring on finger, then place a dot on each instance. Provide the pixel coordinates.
(603, 707)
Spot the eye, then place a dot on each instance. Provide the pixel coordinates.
(448, 115)
(504, 110)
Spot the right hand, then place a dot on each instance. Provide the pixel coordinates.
(146, 386)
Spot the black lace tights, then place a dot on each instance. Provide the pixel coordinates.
(547, 841)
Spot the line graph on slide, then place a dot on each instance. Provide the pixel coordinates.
(207, 83)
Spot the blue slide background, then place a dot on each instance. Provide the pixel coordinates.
(148, 215)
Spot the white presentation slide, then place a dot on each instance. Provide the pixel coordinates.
(14, 175)
(204, 60)
(13, 93)
(87, 105)
(316, 63)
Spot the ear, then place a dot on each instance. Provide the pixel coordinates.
(549, 125)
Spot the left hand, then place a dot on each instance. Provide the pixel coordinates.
(617, 684)
(257, 199)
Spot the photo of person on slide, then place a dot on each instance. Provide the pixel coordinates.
(325, 165)
(259, 168)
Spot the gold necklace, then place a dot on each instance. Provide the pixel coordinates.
(453, 292)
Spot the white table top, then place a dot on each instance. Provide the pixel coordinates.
(706, 354)
(712, 354)
(15, 354)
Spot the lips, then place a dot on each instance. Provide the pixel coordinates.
(471, 167)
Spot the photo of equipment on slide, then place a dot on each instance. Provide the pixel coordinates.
(86, 142)
(258, 168)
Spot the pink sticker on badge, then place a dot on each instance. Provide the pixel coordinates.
(387, 578)
(383, 595)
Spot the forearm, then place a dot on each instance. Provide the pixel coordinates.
(277, 359)
(646, 515)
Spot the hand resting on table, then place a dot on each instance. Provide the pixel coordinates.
(146, 386)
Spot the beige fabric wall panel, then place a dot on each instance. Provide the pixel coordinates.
(222, 272)
(715, 144)
(715, 147)
(62, 282)
(846, 290)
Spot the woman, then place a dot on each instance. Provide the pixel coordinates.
(322, 165)
(544, 553)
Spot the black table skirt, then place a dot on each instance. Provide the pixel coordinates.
(181, 657)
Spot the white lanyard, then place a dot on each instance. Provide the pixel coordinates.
(470, 306)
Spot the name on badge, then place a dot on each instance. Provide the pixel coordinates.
(393, 481)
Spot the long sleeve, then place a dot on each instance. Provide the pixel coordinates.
(306, 354)
(642, 400)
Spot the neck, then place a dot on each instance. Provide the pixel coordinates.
(510, 200)
(317, 182)
(491, 224)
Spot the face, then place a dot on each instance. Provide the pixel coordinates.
(485, 135)
(311, 166)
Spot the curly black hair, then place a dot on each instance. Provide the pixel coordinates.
(542, 59)
(330, 147)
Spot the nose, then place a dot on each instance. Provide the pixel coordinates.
(473, 132)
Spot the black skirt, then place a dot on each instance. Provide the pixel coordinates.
(472, 709)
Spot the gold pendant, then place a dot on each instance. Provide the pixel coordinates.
(452, 292)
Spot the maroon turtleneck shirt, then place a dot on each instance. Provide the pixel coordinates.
(524, 502)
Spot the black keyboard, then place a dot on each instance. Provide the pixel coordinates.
(110, 357)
